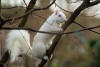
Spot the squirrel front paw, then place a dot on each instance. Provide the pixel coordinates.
(45, 58)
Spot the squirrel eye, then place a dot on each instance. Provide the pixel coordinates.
(59, 15)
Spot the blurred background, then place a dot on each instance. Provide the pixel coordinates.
(80, 49)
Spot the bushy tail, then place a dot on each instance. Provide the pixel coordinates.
(18, 42)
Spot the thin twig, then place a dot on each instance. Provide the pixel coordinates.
(9, 7)
(86, 27)
(57, 33)
(25, 2)
(32, 10)
(29, 7)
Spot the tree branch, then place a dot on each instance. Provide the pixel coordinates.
(25, 3)
(1, 22)
(32, 10)
(29, 7)
(57, 33)
(9, 7)
(86, 27)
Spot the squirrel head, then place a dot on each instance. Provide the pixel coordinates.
(59, 16)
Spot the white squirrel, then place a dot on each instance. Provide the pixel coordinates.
(16, 40)
(52, 24)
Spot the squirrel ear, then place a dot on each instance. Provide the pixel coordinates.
(56, 12)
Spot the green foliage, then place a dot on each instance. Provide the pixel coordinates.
(95, 44)
(92, 43)
(98, 48)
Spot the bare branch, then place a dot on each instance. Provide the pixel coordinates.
(86, 27)
(1, 22)
(45, 32)
(87, 1)
(25, 3)
(29, 7)
(32, 10)
(10, 7)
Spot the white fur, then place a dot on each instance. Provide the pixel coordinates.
(17, 45)
(42, 41)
